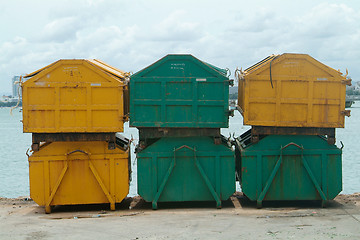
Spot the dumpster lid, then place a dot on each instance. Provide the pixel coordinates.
(211, 69)
(261, 63)
(110, 69)
(220, 70)
(279, 57)
(98, 63)
(39, 70)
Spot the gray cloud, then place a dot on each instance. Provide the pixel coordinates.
(175, 27)
(61, 30)
(131, 36)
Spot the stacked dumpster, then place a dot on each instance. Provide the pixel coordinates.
(293, 104)
(179, 104)
(74, 109)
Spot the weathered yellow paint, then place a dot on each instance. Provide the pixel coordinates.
(66, 173)
(75, 96)
(300, 92)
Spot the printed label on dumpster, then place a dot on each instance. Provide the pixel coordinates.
(180, 66)
(201, 79)
(321, 79)
(290, 64)
(96, 84)
(40, 83)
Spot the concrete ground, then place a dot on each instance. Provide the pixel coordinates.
(133, 219)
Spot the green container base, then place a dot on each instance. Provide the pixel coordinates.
(288, 167)
(186, 169)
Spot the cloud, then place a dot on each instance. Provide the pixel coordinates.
(61, 30)
(328, 32)
(332, 33)
(12, 48)
(129, 36)
(176, 28)
(328, 20)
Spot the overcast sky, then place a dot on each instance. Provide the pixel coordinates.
(131, 34)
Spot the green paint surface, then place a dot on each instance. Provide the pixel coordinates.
(292, 180)
(179, 91)
(185, 182)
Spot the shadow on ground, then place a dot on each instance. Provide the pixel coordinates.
(238, 200)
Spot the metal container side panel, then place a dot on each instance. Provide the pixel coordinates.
(333, 177)
(180, 65)
(302, 93)
(167, 103)
(241, 97)
(73, 96)
(185, 183)
(179, 92)
(126, 102)
(292, 181)
(78, 178)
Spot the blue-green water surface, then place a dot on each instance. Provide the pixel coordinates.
(14, 173)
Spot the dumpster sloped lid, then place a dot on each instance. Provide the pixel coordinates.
(261, 63)
(40, 70)
(186, 64)
(220, 70)
(110, 69)
(274, 59)
(106, 68)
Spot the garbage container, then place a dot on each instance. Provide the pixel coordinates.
(177, 169)
(289, 167)
(67, 173)
(292, 90)
(179, 91)
(75, 96)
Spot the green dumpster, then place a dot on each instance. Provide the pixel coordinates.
(179, 91)
(288, 167)
(186, 169)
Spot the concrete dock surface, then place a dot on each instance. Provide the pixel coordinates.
(21, 218)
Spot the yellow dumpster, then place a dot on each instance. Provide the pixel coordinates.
(75, 96)
(66, 173)
(292, 90)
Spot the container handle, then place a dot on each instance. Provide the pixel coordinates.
(167, 176)
(184, 146)
(239, 74)
(27, 152)
(20, 83)
(292, 144)
(202, 174)
(78, 150)
(274, 172)
(228, 72)
(342, 145)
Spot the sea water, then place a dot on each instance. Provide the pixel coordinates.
(14, 167)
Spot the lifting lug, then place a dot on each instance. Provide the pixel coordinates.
(347, 81)
(346, 113)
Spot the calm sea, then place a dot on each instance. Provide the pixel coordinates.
(14, 143)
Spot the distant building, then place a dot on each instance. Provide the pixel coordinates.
(15, 87)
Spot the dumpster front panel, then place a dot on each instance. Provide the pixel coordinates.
(73, 96)
(179, 91)
(185, 181)
(298, 172)
(66, 173)
(292, 90)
